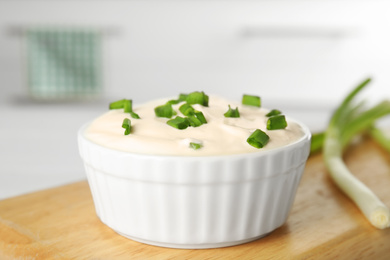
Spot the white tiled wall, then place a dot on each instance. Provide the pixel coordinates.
(299, 55)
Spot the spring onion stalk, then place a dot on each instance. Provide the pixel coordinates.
(381, 138)
(317, 141)
(346, 122)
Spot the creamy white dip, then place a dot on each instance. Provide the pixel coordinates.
(220, 136)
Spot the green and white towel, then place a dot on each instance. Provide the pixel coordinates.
(64, 63)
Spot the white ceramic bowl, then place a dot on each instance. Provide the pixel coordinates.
(194, 202)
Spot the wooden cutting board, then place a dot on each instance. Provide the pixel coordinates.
(61, 223)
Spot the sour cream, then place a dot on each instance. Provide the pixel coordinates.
(220, 136)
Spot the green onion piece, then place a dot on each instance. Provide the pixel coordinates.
(193, 121)
(251, 100)
(117, 104)
(195, 146)
(198, 98)
(317, 141)
(134, 115)
(276, 122)
(178, 122)
(232, 112)
(201, 117)
(164, 111)
(187, 109)
(273, 112)
(128, 106)
(183, 97)
(258, 139)
(127, 126)
(174, 101)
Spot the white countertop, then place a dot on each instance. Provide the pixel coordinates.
(39, 142)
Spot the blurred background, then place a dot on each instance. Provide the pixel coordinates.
(61, 62)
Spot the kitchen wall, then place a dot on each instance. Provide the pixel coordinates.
(300, 56)
(310, 51)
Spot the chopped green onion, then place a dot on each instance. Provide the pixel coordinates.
(258, 139)
(187, 109)
(178, 122)
(183, 97)
(193, 121)
(126, 124)
(174, 101)
(128, 106)
(164, 111)
(117, 104)
(134, 115)
(232, 112)
(317, 141)
(195, 146)
(251, 100)
(201, 117)
(273, 112)
(198, 98)
(276, 122)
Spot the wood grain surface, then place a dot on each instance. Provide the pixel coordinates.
(61, 223)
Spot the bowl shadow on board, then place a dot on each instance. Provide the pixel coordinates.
(276, 236)
(271, 238)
